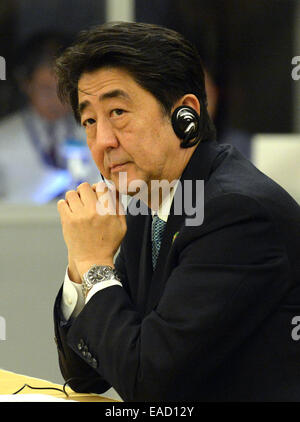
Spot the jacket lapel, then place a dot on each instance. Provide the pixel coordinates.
(198, 168)
(145, 267)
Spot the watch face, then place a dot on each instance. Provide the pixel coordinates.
(94, 275)
(98, 273)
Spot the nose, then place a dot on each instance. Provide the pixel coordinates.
(106, 137)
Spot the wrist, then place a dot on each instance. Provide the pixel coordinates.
(73, 272)
(83, 267)
(98, 274)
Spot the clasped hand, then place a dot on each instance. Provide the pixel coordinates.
(92, 232)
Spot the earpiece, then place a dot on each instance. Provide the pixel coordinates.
(186, 125)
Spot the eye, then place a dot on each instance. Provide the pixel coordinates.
(88, 122)
(117, 112)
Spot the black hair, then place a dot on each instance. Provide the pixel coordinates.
(159, 59)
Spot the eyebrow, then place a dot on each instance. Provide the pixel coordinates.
(116, 93)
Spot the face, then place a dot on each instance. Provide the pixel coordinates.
(41, 91)
(126, 129)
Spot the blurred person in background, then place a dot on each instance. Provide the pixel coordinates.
(42, 149)
(7, 47)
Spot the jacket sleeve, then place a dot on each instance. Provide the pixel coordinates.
(79, 369)
(230, 274)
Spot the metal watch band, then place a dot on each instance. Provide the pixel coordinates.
(96, 274)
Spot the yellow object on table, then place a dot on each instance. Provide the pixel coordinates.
(11, 382)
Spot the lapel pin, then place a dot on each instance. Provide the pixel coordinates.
(174, 237)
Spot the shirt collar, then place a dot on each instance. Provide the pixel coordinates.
(164, 209)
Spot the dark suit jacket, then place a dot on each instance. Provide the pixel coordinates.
(214, 321)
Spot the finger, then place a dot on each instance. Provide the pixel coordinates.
(63, 208)
(103, 189)
(111, 195)
(73, 200)
(106, 202)
(87, 194)
(100, 187)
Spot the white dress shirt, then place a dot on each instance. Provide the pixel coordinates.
(73, 299)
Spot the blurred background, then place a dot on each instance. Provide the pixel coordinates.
(247, 47)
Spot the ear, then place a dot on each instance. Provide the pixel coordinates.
(189, 100)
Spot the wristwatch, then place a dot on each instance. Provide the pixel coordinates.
(96, 274)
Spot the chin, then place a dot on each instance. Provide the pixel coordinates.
(129, 184)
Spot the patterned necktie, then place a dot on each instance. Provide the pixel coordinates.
(158, 228)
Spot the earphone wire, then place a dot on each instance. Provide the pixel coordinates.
(63, 389)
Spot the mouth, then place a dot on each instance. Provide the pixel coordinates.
(114, 168)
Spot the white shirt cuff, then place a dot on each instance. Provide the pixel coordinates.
(100, 286)
(73, 298)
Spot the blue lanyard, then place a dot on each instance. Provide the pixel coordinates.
(31, 129)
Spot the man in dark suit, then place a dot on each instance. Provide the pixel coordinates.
(200, 303)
